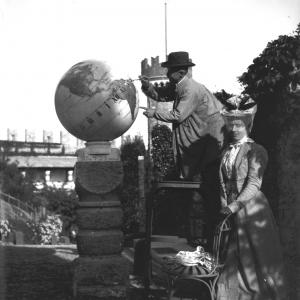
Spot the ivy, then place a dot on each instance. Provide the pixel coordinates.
(168, 211)
(161, 152)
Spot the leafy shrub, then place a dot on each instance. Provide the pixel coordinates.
(45, 230)
(268, 80)
(5, 228)
(162, 153)
(272, 71)
(169, 210)
(60, 201)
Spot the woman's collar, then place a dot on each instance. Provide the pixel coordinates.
(242, 141)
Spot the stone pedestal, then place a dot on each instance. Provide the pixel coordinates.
(100, 272)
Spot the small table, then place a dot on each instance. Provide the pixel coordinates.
(221, 239)
(187, 185)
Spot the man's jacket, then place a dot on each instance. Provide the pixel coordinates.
(195, 114)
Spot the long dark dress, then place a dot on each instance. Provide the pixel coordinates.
(254, 264)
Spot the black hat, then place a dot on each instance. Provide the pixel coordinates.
(178, 59)
(239, 106)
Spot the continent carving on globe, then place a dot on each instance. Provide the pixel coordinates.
(92, 106)
(81, 80)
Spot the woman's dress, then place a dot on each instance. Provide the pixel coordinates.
(254, 265)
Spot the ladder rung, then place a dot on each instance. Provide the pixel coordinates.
(179, 184)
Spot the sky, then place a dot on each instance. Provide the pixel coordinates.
(42, 39)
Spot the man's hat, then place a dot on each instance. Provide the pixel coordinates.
(178, 59)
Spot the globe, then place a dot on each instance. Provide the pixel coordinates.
(92, 106)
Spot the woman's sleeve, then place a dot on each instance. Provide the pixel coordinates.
(257, 162)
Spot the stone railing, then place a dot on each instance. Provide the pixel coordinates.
(34, 148)
(13, 208)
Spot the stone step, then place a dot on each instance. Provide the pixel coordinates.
(163, 239)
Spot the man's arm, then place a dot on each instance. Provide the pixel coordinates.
(163, 93)
(188, 102)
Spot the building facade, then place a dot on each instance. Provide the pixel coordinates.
(48, 163)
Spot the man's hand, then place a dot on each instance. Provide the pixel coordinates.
(145, 82)
(149, 112)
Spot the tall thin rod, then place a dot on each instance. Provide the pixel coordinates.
(166, 31)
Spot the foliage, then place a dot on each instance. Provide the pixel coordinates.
(272, 71)
(5, 228)
(130, 150)
(222, 95)
(61, 202)
(269, 81)
(14, 183)
(46, 229)
(169, 214)
(162, 153)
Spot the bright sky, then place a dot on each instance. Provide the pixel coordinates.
(42, 39)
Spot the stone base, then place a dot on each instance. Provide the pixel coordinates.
(103, 277)
(101, 242)
(101, 293)
(98, 218)
(100, 273)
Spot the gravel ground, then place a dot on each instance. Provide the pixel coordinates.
(36, 272)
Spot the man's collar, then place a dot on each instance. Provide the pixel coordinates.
(181, 81)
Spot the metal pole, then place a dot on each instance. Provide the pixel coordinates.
(166, 32)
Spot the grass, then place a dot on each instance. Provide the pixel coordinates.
(34, 272)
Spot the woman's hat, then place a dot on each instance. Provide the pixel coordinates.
(178, 59)
(239, 106)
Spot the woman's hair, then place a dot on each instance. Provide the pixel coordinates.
(246, 119)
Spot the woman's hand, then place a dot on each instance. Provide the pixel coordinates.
(225, 211)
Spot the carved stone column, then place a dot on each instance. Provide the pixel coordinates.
(100, 272)
(97, 108)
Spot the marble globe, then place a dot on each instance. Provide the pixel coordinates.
(92, 106)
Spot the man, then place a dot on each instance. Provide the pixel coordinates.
(197, 133)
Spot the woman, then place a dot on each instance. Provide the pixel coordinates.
(254, 265)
